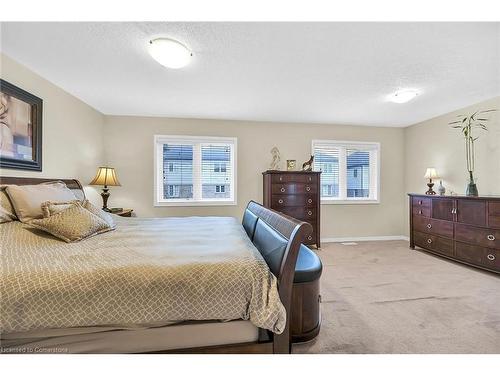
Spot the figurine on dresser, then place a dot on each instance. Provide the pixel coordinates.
(275, 163)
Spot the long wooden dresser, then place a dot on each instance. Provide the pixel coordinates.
(466, 229)
(297, 194)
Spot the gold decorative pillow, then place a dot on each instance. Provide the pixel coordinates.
(51, 208)
(72, 224)
(7, 212)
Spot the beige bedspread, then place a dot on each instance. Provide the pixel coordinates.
(146, 272)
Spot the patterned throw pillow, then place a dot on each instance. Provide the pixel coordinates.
(50, 208)
(72, 224)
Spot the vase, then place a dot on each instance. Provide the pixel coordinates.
(441, 189)
(471, 187)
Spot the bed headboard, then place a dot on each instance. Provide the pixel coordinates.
(73, 185)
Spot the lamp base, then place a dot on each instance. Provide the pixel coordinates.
(105, 195)
(430, 191)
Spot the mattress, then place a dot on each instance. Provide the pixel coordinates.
(146, 273)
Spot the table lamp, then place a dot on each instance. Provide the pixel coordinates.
(430, 174)
(105, 176)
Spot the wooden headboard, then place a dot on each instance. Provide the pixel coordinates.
(73, 185)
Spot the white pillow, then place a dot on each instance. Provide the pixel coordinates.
(27, 199)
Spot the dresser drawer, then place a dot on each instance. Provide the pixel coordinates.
(477, 236)
(494, 208)
(480, 256)
(311, 238)
(432, 226)
(278, 201)
(421, 202)
(434, 243)
(294, 188)
(422, 211)
(293, 177)
(300, 213)
(494, 222)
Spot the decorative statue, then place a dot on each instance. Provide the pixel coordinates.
(275, 163)
(308, 165)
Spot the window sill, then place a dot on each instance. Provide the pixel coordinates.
(189, 203)
(350, 201)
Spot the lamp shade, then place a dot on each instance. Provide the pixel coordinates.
(431, 173)
(105, 176)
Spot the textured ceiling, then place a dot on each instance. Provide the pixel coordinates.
(292, 72)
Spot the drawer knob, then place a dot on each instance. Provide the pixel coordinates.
(420, 212)
(280, 201)
(308, 188)
(420, 202)
(309, 200)
(281, 178)
(429, 225)
(429, 241)
(309, 213)
(490, 257)
(282, 190)
(490, 237)
(310, 179)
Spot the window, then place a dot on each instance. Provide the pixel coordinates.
(350, 171)
(194, 170)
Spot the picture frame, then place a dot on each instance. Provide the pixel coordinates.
(20, 128)
(291, 165)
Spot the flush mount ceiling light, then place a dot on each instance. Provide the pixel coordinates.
(403, 96)
(169, 53)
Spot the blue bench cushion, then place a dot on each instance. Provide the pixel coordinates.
(308, 267)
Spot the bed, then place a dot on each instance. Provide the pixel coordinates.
(198, 285)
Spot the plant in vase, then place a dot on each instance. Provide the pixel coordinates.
(467, 125)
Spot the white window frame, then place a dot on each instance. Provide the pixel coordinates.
(160, 140)
(374, 172)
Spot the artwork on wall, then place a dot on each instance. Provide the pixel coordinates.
(20, 128)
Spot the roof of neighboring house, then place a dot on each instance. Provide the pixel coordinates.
(209, 153)
(356, 159)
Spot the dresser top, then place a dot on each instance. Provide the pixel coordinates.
(481, 197)
(290, 172)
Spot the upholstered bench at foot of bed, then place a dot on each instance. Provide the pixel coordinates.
(306, 314)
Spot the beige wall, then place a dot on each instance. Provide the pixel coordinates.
(129, 148)
(72, 130)
(433, 143)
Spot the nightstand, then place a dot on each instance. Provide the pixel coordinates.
(126, 212)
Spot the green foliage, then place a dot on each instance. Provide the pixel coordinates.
(467, 125)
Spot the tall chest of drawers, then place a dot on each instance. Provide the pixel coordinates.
(466, 229)
(297, 194)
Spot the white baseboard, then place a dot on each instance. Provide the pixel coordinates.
(370, 238)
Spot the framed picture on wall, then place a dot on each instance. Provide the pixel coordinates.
(20, 128)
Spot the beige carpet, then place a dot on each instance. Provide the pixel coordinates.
(382, 297)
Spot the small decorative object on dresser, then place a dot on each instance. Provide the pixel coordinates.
(290, 165)
(296, 194)
(275, 163)
(124, 212)
(467, 124)
(466, 229)
(441, 189)
(430, 173)
(308, 165)
(105, 176)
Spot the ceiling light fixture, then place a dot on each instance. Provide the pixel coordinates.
(169, 53)
(403, 96)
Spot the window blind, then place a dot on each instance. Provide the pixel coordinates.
(349, 170)
(195, 170)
